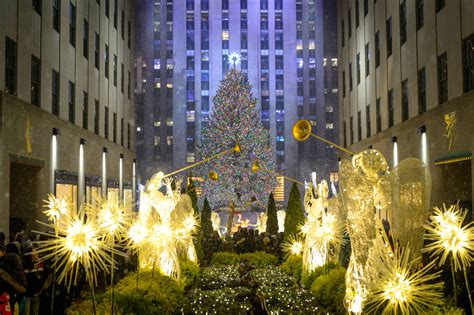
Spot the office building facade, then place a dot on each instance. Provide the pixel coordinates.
(66, 100)
(407, 81)
(183, 50)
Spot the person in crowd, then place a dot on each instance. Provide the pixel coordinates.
(35, 276)
(12, 281)
(3, 252)
(2, 238)
(13, 248)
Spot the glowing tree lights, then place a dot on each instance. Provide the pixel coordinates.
(236, 119)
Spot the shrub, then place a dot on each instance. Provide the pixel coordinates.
(259, 259)
(293, 266)
(224, 259)
(272, 219)
(308, 278)
(294, 213)
(221, 301)
(189, 273)
(155, 295)
(287, 300)
(218, 277)
(330, 289)
(271, 276)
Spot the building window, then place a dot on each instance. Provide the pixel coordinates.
(343, 35)
(349, 23)
(443, 78)
(107, 7)
(129, 136)
(85, 110)
(359, 126)
(403, 22)
(57, 15)
(439, 5)
(378, 114)
(106, 61)
(55, 93)
(122, 78)
(129, 84)
(343, 84)
(85, 40)
(96, 116)
(405, 112)
(367, 59)
(10, 65)
(350, 76)
(35, 81)
(390, 108)
(72, 24)
(122, 24)
(122, 132)
(356, 8)
(114, 129)
(115, 70)
(106, 122)
(468, 63)
(389, 36)
(421, 91)
(71, 102)
(115, 13)
(358, 68)
(351, 127)
(97, 51)
(129, 33)
(36, 4)
(420, 19)
(377, 49)
(368, 126)
(344, 131)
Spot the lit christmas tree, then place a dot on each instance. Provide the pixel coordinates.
(234, 120)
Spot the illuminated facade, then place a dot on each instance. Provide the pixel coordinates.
(407, 79)
(287, 49)
(66, 104)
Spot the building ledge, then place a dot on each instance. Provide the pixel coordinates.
(454, 157)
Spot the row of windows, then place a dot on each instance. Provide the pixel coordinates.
(442, 71)
(11, 82)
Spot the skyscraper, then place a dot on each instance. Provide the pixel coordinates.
(286, 49)
(66, 105)
(407, 75)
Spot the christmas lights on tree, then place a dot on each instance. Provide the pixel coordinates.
(235, 120)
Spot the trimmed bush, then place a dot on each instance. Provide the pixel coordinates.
(218, 277)
(294, 213)
(155, 295)
(308, 279)
(271, 276)
(287, 300)
(221, 301)
(225, 259)
(330, 289)
(293, 266)
(189, 273)
(272, 219)
(259, 259)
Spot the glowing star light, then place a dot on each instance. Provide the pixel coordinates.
(79, 243)
(234, 59)
(448, 236)
(294, 246)
(55, 207)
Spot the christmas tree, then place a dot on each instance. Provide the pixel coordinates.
(235, 119)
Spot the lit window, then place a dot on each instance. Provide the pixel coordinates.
(169, 85)
(334, 177)
(139, 129)
(157, 140)
(329, 109)
(169, 140)
(190, 115)
(156, 64)
(157, 123)
(158, 85)
(329, 126)
(169, 122)
(325, 62)
(299, 45)
(169, 66)
(312, 44)
(312, 122)
(334, 62)
(190, 157)
(225, 35)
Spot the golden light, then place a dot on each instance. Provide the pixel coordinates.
(79, 242)
(55, 207)
(294, 246)
(447, 236)
(137, 234)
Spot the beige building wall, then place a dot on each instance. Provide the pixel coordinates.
(443, 31)
(33, 32)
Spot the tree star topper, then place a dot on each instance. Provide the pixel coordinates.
(234, 59)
